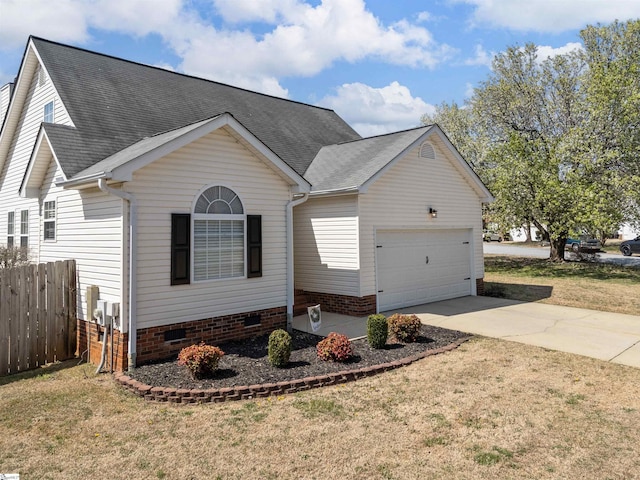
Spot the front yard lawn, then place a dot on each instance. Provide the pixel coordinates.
(594, 286)
(490, 409)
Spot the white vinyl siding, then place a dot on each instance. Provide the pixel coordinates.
(89, 229)
(401, 198)
(13, 167)
(326, 245)
(171, 185)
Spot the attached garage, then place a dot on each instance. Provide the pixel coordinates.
(392, 221)
(422, 266)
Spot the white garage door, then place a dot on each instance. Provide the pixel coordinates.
(422, 266)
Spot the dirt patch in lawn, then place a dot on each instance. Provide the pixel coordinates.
(246, 362)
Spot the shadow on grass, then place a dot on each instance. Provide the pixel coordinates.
(39, 371)
(517, 291)
(539, 267)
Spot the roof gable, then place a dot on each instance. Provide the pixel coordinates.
(355, 166)
(121, 165)
(115, 103)
(39, 161)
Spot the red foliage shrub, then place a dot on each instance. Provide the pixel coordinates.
(404, 328)
(336, 347)
(201, 360)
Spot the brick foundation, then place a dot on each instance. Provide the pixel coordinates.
(151, 344)
(90, 337)
(344, 304)
(479, 286)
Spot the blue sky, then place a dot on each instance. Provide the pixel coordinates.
(380, 64)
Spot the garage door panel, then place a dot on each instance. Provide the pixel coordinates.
(421, 266)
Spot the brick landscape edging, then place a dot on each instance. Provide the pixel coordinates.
(183, 395)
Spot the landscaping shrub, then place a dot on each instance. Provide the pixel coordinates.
(404, 328)
(336, 347)
(201, 360)
(279, 348)
(377, 330)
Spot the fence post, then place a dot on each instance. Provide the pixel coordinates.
(5, 293)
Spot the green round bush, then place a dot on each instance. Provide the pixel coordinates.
(279, 349)
(377, 330)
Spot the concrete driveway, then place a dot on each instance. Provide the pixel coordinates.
(612, 337)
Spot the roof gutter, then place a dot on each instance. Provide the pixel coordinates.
(297, 200)
(84, 180)
(338, 191)
(133, 224)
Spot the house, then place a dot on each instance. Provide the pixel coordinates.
(199, 208)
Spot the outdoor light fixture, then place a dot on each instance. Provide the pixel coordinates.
(433, 212)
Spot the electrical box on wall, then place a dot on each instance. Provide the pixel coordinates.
(100, 313)
(118, 324)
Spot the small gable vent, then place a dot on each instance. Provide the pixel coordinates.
(427, 151)
(42, 77)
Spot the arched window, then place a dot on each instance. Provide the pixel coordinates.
(218, 235)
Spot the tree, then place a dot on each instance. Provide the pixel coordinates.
(612, 83)
(557, 140)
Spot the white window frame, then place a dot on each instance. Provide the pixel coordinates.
(24, 228)
(11, 229)
(196, 217)
(51, 220)
(49, 116)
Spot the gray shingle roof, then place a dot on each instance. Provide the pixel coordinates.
(115, 103)
(351, 164)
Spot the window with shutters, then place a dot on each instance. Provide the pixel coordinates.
(218, 235)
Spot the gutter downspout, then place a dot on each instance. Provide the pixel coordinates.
(290, 285)
(133, 228)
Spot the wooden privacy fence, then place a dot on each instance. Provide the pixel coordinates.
(37, 315)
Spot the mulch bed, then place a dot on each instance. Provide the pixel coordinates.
(245, 362)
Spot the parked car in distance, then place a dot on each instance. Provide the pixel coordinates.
(492, 237)
(629, 247)
(583, 244)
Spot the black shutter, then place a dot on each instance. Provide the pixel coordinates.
(254, 246)
(180, 248)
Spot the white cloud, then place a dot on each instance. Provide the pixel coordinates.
(545, 51)
(374, 111)
(268, 11)
(482, 57)
(305, 38)
(63, 20)
(550, 16)
(424, 16)
(469, 90)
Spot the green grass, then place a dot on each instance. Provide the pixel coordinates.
(537, 267)
(594, 286)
